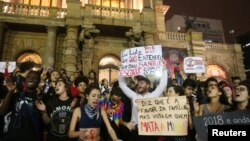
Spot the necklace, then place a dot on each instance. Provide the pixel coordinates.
(90, 111)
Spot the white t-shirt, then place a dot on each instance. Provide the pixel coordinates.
(134, 96)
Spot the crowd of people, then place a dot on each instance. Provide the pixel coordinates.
(48, 105)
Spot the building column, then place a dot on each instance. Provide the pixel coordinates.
(160, 22)
(87, 58)
(87, 54)
(147, 4)
(238, 64)
(49, 58)
(190, 50)
(148, 38)
(2, 27)
(70, 52)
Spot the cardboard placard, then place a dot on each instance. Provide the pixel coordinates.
(146, 60)
(194, 65)
(11, 66)
(163, 116)
(227, 118)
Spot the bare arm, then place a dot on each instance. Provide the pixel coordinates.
(127, 91)
(6, 101)
(45, 118)
(108, 126)
(201, 109)
(42, 107)
(198, 109)
(75, 118)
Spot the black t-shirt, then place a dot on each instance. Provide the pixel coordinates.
(3, 92)
(23, 121)
(60, 113)
(49, 94)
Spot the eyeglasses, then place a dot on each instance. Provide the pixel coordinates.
(240, 89)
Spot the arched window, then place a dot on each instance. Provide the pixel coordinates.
(109, 68)
(30, 56)
(216, 70)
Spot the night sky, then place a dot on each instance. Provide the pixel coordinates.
(235, 14)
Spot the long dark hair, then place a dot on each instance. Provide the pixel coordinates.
(247, 84)
(178, 89)
(89, 89)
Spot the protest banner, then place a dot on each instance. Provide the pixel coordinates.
(162, 116)
(173, 56)
(146, 60)
(11, 66)
(201, 123)
(194, 65)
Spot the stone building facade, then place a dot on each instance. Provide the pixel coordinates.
(79, 36)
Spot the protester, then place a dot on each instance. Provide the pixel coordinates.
(19, 78)
(92, 78)
(241, 97)
(173, 91)
(235, 81)
(81, 84)
(57, 112)
(105, 88)
(22, 119)
(113, 106)
(141, 92)
(89, 118)
(214, 95)
(228, 91)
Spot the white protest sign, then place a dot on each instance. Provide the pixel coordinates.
(163, 116)
(11, 66)
(145, 60)
(194, 65)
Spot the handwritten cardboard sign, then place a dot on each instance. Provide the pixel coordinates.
(162, 116)
(194, 65)
(11, 66)
(146, 60)
(201, 123)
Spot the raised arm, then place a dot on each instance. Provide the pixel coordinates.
(127, 91)
(162, 85)
(5, 103)
(42, 107)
